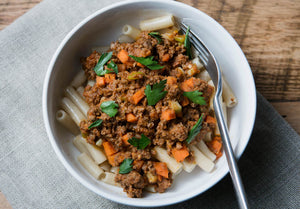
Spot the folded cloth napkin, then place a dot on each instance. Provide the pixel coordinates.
(31, 175)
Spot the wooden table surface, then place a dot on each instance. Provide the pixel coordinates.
(267, 31)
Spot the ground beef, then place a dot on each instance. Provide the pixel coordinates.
(132, 183)
(168, 134)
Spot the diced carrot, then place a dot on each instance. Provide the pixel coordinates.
(188, 85)
(111, 160)
(171, 80)
(168, 114)
(109, 78)
(165, 58)
(108, 148)
(123, 56)
(100, 81)
(125, 139)
(210, 119)
(131, 118)
(138, 96)
(185, 101)
(215, 145)
(161, 169)
(180, 154)
(139, 64)
(121, 67)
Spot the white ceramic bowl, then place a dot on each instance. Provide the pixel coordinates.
(103, 27)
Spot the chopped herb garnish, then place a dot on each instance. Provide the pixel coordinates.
(110, 108)
(195, 96)
(156, 93)
(156, 35)
(148, 62)
(99, 68)
(141, 143)
(112, 65)
(95, 124)
(195, 130)
(126, 166)
(187, 43)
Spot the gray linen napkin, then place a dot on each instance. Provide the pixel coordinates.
(31, 176)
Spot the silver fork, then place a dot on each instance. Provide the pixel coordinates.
(213, 69)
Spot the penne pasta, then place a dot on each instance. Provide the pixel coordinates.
(79, 79)
(80, 91)
(114, 169)
(188, 166)
(91, 166)
(157, 23)
(211, 100)
(150, 188)
(131, 31)
(228, 95)
(96, 153)
(105, 166)
(204, 149)
(99, 142)
(79, 143)
(204, 75)
(125, 39)
(208, 137)
(63, 118)
(77, 100)
(202, 161)
(197, 62)
(109, 178)
(91, 83)
(72, 110)
(163, 156)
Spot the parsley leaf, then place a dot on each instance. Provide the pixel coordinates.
(195, 96)
(126, 166)
(187, 43)
(112, 65)
(156, 35)
(141, 143)
(95, 124)
(195, 130)
(99, 68)
(148, 62)
(110, 108)
(156, 93)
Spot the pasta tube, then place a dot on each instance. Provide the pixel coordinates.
(72, 110)
(96, 153)
(172, 164)
(228, 95)
(63, 118)
(109, 178)
(79, 79)
(188, 166)
(77, 100)
(204, 149)
(157, 23)
(202, 161)
(91, 166)
(131, 31)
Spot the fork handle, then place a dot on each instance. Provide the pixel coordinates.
(233, 168)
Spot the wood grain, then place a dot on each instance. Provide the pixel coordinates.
(12, 9)
(269, 34)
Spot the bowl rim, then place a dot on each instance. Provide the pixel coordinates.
(130, 201)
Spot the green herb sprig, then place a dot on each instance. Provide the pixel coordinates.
(148, 62)
(195, 96)
(99, 68)
(187, 43)
(141, 143)
(155, 93)
(110, 108)
(156, 35)
(195, 130)
(126, 166)
(95, 124)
